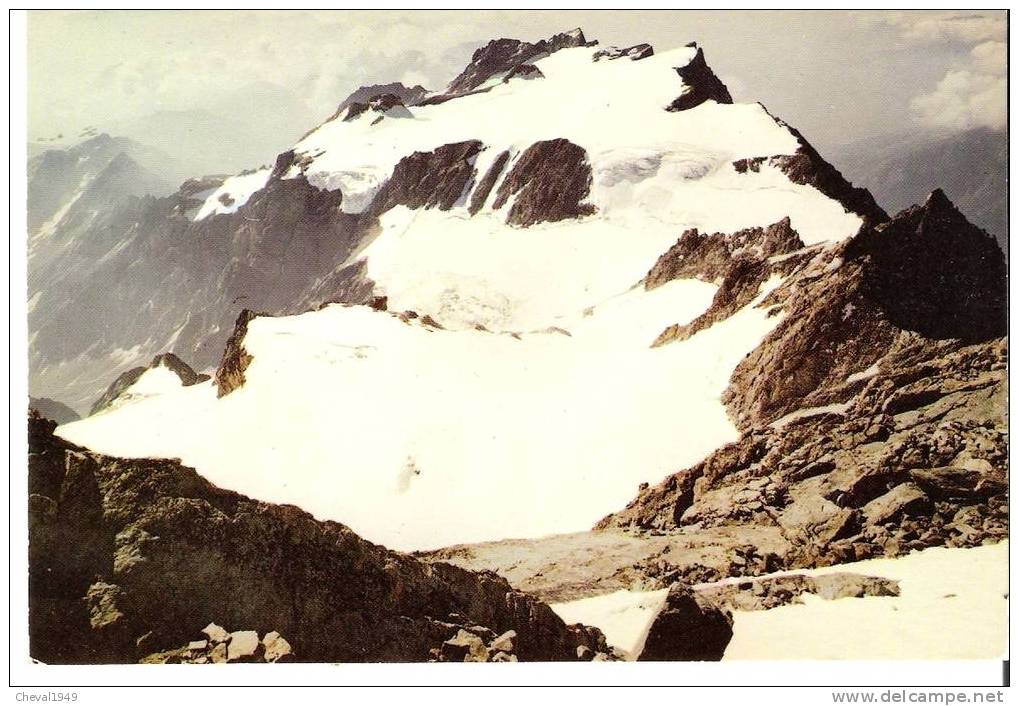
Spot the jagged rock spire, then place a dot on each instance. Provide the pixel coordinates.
(936, 273)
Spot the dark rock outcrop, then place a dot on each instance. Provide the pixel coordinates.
(487, 183)
(167, 360)
(129, 558)
(634, 53)
(230, 373)
(708, 257)
(94, 278)
(772, 592)
(504, 55)
(808, 167)
(742, 260)
(935, 273)
(866, 482)
(527, 72)
(408, 95)
(690, 627)
(549, 182)
(701, 84)
(53, 409)
(926, 281)
(387, 103)
(436, 179)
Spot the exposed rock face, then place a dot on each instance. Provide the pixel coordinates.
(935, 273)
(861, 438)
(916, 459)
(349, 284)
(167, 360)
(772, 592)
(690, 627)
(708, 257)
(742, 281)
(53, 409)
(844, 311)
(487, 183)
(701, 85)
(807, 166)
(504, 55)
(527, 72)
(55, 176)
(407, 95)
(548, 182)
(381, 106)
(179, 367)
(634, 53)
(230, 373)
(743, 261)
(130, 558)
(92, 277)
(436, 179)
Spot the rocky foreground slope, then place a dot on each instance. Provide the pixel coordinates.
(130, 558)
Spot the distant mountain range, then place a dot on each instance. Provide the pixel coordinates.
(970, 167)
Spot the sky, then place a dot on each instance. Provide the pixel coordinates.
(838, 76)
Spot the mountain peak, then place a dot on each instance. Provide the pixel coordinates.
(937, 200)
(503, 55)
(936, 273)
(701, 84)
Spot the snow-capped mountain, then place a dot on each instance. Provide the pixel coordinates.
(498, 234)
(579, 315)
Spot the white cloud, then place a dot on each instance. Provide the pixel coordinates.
(414, 78)
(951, 26)
(971, 94)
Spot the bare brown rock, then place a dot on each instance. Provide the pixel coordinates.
(634, 53)
(167, 360)
(230, 373)
(160, 553)
(487, 183)
(690, 627)
(701, 85)
(436, 179)
(548, 182)
(772, 592)
(503, 55)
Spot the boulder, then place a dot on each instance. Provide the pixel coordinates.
(955, 482)
(276, 648)
(813, 519)
(218, 654)
(215, 633)
(505, 642)
(503, 657)
(464, 647)
(902, 500)
(244, 646)
(690, 627)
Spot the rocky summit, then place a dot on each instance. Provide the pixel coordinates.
(577, 358)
